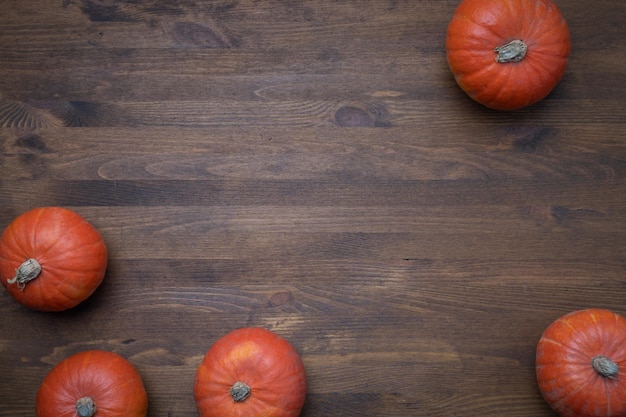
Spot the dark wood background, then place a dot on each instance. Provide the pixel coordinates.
(312, 168)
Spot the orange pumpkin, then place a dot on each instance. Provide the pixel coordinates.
(92, 383)
(581, 364)
(51, 259)
(507, 54)
(250, 372)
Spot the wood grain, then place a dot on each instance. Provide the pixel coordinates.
(312, 168)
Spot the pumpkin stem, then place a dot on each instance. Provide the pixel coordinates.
(28, 271)
(513, 51)
(605, 367)
(240, 391)
(85, 407)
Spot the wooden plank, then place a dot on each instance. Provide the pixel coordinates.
(496, 153)
(294, 114)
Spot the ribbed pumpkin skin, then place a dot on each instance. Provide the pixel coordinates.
(71, 252)
(479, 26)
(110, 380)
(565, 375)
(265, 362)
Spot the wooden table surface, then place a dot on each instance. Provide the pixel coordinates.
(312, 168)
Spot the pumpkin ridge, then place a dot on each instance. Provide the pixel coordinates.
(608, 399)
(60, 268)
(501, 84)
(563, 345)
(577, 332)
(572, 393)
(605, 338)
(534, 69)
(479, 25)
(546, 53)
(545, 37)
(52, 294)
(83, 261)
(21, 251)
(66, 232)
(478, 73)
(35, 228)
